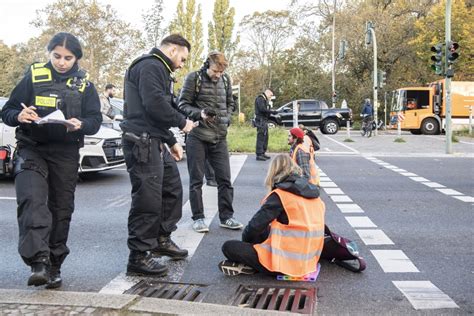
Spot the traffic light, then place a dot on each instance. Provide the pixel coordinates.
(382, 78)
(452, 55)
(437, 66)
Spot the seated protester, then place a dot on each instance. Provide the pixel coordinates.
(302, 155)
(310, 139)
(286, 235)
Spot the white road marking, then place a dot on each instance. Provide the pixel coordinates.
(464, 198)
(408, 174)
(374, 237)
(343, 145)
(433, 184)
(333, 191)
(419, 179)
(360, 221)
(324, 179)
(424, 295)
(184, 236)
(350, 208)
(393, 261)
(329, 184)
(340, 198)
(7, 198)
(399, 170)
(449, 192)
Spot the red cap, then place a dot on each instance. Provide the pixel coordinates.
(297, 132)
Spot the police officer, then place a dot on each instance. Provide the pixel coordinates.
(157, 192)
(47, 156)
(262, 113)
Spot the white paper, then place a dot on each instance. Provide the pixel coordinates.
(56, 117)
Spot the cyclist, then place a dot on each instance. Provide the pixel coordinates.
(367, 114)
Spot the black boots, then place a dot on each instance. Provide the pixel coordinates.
(167, 247)
(143, 263)
(55, 280)
(39, 273)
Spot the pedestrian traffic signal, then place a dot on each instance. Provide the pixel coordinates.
(382, 78)
(437, 58)
(452, 55)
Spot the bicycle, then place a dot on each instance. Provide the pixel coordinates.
(367, 126)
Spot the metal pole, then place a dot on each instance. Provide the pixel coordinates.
(239, 99)
(375, 81)
(295, 114)
(385, 110)
(447, 82)
(333, 58)
(470, 120)
(348, 127)
(399, 127)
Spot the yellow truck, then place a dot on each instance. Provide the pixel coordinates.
(422, 110)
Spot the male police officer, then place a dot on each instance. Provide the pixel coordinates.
(156, 186)
(262, 113)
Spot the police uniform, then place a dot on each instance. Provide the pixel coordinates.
(47, 157)
(262, 113)
(156, 207)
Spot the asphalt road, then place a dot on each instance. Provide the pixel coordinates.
(430, 225)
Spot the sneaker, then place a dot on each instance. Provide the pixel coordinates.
(143, 263)
(200, 226)
(233, 268)
(231, 223)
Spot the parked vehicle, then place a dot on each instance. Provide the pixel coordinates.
(313, 113)
(423, 109)
(101, 151)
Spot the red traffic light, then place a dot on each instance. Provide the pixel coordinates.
(453, 46)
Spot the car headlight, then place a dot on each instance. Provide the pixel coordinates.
(91, 140)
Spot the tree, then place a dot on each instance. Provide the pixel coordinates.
(189, 24)
(220, 30)
(431, 30)
(108, 43)
(154, 24)
(268, 33)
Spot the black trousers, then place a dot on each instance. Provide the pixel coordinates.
(218, 156)
(262, 137)
(157, 196)
(209, 172)
(243, 252)
(45, 182)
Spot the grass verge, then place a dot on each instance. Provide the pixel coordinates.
(242, 138)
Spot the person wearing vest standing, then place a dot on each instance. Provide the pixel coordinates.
(206, 97)
(262, 113)
(303, 155)
(149, 112)
(286, 235)
(46, 160)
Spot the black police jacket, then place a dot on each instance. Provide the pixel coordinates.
(24, 93)
(149, 99)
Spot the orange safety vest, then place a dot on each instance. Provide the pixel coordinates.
(294, 248)
(313, 170)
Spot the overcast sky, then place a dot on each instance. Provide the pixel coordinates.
(16, 15)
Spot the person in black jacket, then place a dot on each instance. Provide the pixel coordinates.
(242, 258)
(157, 193)
(46, 160)
(262, 113)
(206, 97)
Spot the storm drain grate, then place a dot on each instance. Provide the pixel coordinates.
(295, 300)
(170, 290)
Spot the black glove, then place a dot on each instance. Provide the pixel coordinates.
(211, 112)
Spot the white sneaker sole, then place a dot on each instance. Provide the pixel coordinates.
(231, 227)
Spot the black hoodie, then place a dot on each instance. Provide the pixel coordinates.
(23, 93)
(258, 228)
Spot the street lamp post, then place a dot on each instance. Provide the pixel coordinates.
(370, 36)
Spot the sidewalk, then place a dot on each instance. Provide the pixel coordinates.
(50, 302)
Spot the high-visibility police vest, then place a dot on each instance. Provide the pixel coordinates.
(313, 170)
(294, 248)
(50, 95)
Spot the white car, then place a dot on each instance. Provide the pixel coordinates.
(101, 151)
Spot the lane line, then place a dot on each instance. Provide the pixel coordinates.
(394, 261)
(340, 198)
(184, 236)
(449, 192)
(7, 198)
(424, 295)
(419, 179)
(349, 208)
(343, 145)
(328, 184)
(360, 221)
(468, 199)
(374, 237)
(433, 184)
(333, 191)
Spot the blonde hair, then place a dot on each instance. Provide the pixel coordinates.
(281, 167)
(218, 59)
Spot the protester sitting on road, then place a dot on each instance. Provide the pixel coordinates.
(303, 156)
(286, 235)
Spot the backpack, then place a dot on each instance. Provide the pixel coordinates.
(342, 251)
(198, 83)
(314, 140)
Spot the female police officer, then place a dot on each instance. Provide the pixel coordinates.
(47, 156)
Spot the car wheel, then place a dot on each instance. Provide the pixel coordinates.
(271, 125)
(430, 126)
(330, 126)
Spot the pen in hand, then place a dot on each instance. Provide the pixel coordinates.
(28, 114)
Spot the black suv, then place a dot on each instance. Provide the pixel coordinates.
(313, 113)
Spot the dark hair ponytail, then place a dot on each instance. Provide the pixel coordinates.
(68, 41)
